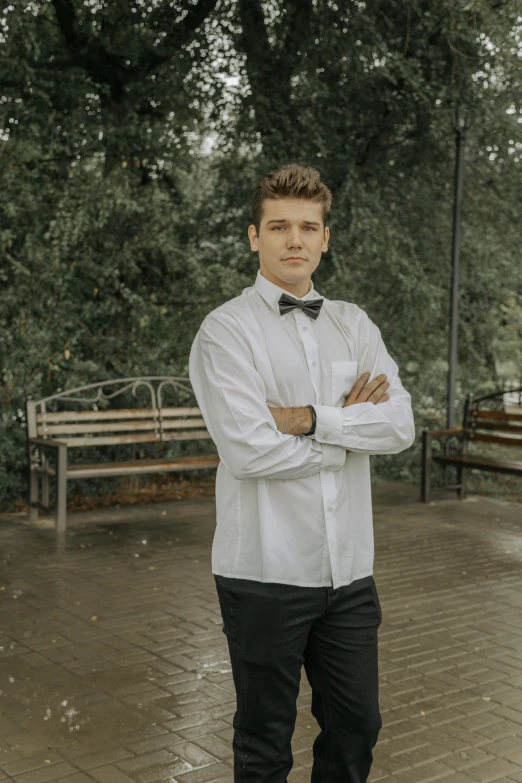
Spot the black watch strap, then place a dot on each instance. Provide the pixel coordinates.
(314, 421)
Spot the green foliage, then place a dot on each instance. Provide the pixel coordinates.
(121, 230)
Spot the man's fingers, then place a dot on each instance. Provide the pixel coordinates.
(378, 392)
(360, 383)
(371, 387)
(364, 389)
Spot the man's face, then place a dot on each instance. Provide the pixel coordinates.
(290, 228)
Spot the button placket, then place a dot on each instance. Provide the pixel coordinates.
(311, 351)
(327, 479)
(329, 494)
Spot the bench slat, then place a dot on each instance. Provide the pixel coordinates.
(142, 466)
(77, 429)
(472, 461)
(133, 426)
(475, 436)
(189, 423)
(121, 413)
(491, 425)
(203, 435)
(168, 412)
(499, 415)
(112, 440)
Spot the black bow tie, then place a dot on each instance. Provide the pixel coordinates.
(312, 307)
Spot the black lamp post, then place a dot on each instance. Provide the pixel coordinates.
(461, 123)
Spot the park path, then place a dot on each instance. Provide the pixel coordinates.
(114, 667)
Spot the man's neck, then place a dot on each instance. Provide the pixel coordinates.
(299, 289)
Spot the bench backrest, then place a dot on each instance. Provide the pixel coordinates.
(153, 424)
(494, 427)
(127, 425)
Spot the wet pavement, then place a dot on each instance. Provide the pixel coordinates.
(114, 667)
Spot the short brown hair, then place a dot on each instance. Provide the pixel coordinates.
(291, 181)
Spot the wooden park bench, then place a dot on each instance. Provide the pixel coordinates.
(480, 425)
(52, 433)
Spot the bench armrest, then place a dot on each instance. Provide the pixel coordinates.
(53, 444)
(440, 433)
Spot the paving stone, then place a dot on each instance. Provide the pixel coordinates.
(145, 760)
(206, 774)
(436, 770)
(171, 770)
(191, 753)
(110, 774)
(506, 746)
(493, 770)
(216, 747)
(39, 761)
(46, 773)
(93, 760)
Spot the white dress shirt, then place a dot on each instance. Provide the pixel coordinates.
(294, 509)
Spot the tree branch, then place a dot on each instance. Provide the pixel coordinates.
(297, 35)
(195, 17)
(254, 42)
(183, 32)
(66, 16)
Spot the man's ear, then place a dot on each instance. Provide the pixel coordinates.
(326, 238)
(252, 235)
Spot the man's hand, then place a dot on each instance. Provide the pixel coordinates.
(364, 391)
(372, 391)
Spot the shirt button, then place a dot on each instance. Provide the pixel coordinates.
(305, 328)
(327, 471)
(318, 400)
(313, 364)
(326, 436)
(330, 508)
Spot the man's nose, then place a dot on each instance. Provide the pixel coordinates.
(294, 237)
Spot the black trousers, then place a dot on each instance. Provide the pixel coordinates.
(272, 630)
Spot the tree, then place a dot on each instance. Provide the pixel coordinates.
(121, 229)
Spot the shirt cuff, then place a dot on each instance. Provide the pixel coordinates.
(329, 425)
(334, 456)
(330, 420)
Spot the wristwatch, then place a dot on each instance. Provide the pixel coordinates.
(314, 420)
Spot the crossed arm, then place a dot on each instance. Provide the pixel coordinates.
(292, 421)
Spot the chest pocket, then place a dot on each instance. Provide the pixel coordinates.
(344, 376)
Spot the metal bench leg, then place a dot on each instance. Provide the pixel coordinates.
(426, 468)
(45, 480)
(33, 493)
(61, 489)
(463, 475)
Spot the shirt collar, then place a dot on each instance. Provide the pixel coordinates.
(271, 292)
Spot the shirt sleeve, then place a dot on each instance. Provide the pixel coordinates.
(369, 428)
(232, 398)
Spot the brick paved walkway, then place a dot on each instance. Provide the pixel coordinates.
(114, 667)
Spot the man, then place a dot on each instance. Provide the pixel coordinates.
(297, 391)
